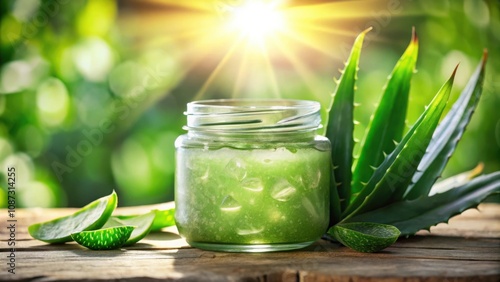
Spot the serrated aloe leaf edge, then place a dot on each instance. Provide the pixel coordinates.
(405, 176)
(388, 121)
(447, 135)
(393, 176)
(410, 216)
(340, 125)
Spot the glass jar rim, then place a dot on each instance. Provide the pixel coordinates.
(229, 105)
(247, 115)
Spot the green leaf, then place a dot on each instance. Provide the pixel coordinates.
(388, 122)
(456, 180)
(365, 237)
(340, 126)
(410, 216)
(143, 224)
(392, 177)
(163, 218)
(92, 216)
(104, 239)
(447, 135)
(335, 211)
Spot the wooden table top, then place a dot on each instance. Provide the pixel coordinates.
(466, 249)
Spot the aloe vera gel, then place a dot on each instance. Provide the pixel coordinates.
(252, 175)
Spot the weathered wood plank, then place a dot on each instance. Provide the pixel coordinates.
(191, 263)
(165, 256)
(434, 248)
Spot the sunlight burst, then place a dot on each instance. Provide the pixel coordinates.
(257, 20)
(258, 48)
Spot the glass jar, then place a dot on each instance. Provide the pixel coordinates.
(252, 175)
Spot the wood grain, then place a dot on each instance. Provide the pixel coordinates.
(468, 249)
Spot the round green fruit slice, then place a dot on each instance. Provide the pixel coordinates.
(104, 239)
(366, 237)
(92, 216)
(143, 225)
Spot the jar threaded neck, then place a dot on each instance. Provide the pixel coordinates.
(249, 116)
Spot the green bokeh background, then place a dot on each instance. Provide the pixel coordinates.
(92, 92)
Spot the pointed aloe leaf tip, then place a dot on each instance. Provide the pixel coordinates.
(485, 58)
(447, 135)
(391, 179)
(340, 124)
(414, 37)
(387, 123)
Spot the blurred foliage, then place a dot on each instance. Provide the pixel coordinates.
(92, 92)
(450, 33)
(82, 112)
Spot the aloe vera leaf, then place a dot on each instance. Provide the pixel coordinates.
(90, 217)
(340, 126)
(392, 177)
(388, 121)
(163, 218)
(410, 216)
(143, 224)
(455, 181)
(104, 239)
(366, 237)
(447, 135)
(334, 202)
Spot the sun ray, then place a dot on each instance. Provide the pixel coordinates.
(231, 43)
(336, 10)
(270, 71)
(308, 43)
(241, 72)
(331, 30)
(200, 5)
(216, 71)
(305, 74)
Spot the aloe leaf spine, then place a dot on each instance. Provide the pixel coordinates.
(391, 179)
(340, 125)
(410, 216)
(447, 135)
(388, 121)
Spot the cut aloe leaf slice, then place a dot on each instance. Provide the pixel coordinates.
(163, 218)
(366, 237)
(114, 221)
(104, 239)
(143, 224)
(92, 216)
